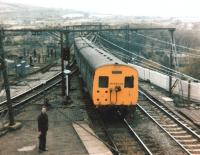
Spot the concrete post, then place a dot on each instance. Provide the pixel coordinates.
(62, 64)
(171, 61)
(189, 91)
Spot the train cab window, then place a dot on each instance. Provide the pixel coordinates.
(103, 81)
(128, 83)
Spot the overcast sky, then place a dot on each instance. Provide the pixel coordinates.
(125, 7)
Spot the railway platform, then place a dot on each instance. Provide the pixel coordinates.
(63, 138)
(26, 83)
(93, 145)
(191, 112)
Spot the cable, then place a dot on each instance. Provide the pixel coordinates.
(157, 49)
(166, 69)
(114, 53)
(142, 63)
(124, 56)
(176, 60)
(165, 42)
(184, 75)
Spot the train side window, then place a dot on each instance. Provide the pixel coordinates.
(103, 81)
(128, 83)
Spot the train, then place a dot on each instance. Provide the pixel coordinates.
(110, 82)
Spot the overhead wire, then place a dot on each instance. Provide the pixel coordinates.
(160, 50)
(142, 63)
(167, 68)
(165, 42)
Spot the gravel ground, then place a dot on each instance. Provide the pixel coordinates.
(156, 140)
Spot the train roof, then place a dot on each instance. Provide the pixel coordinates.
(95, 56)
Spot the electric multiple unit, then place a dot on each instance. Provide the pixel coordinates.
(110, 82)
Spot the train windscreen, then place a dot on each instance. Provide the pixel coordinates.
(129, 82)
(103, 81)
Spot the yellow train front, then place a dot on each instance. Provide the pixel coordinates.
(110, 82)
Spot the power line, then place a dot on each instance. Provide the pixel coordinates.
(142, 63)
(165, 42)
(148, 65)
(161, 50)
(169, 69)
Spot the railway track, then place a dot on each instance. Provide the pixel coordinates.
(122, 137)
(31, 94)
(23, 98)
(116, 133)
(174, 126)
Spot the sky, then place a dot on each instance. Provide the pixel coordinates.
(163, 8)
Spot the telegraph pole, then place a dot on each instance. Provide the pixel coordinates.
(6, 82)
(171, 61)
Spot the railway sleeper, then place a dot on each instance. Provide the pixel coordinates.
(192, 146)
(195, 151)
(183, 137)
(174, 129)
(187, 141)
(156, 117)
(167, 121)
(182, 132)
(169, 125)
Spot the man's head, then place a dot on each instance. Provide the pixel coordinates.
(44, 110)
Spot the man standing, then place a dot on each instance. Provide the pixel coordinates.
(42, 128)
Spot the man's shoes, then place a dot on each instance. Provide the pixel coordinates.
(46, 149)
(40, 151)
